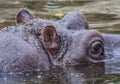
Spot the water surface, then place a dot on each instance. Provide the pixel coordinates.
(102, 15)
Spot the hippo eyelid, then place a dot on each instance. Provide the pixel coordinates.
(96, 41)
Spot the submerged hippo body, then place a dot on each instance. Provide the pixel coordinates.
(38, 44)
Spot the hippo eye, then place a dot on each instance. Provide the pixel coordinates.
(96, 49)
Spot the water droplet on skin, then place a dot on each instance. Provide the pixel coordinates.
(5, 78)
(77, 75)
(39, 76)
(27, 74)
(71, 74)
(38, 69)
(20, 73)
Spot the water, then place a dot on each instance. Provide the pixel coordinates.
(102, 15)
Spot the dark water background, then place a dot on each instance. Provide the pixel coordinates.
(102, 15)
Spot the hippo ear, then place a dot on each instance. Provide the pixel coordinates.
(23, 16)
(49, 35)
(74, 21)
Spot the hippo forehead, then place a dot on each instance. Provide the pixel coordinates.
(42, 23)
(38, 25)
(85, 36)
(82, 39)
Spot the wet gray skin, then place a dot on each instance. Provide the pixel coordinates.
(74, 21)
(61, 44)
(39, 43)
(77, 22)
(18, 51)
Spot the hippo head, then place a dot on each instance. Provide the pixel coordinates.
(65, 46)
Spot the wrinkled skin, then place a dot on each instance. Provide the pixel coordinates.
(38, 44)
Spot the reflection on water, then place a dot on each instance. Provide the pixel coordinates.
(102, 15)
(71, 75)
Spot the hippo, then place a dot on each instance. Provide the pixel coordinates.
(37, 44)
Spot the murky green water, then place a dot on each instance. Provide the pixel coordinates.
(102, 15)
